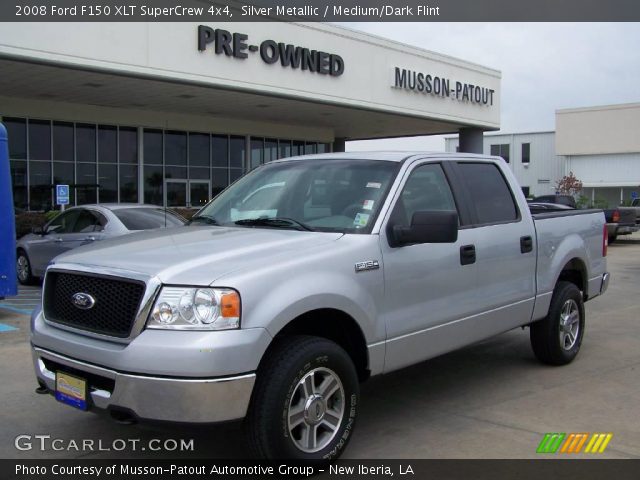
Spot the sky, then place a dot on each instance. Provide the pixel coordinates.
(545, 67)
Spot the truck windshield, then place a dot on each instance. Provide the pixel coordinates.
(329, 195)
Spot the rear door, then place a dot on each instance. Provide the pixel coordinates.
(505, 245)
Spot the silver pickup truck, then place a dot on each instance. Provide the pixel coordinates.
(304, 278)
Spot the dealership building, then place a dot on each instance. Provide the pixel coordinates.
(599, 145)
(171, 113)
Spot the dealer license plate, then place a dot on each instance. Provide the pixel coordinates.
(71, 390)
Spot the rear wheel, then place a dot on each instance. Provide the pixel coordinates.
(556, 339)
(304, 402)
(23, 269)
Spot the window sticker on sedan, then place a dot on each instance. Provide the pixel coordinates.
(361, 220)
(374, 185)
(368, 204)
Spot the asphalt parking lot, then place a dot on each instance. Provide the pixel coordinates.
(490, 400)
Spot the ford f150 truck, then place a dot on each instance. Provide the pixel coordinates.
(304, 278)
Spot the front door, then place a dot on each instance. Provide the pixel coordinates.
(428, 287)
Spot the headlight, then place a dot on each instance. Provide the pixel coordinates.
(187, 308)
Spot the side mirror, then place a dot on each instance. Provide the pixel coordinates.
(427, 227)
(38, 230)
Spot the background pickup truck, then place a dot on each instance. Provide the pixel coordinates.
(304, 278)
(621, 221)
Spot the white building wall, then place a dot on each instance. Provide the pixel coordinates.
(544, 168)
(608, 177)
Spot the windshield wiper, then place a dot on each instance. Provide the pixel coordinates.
(276, 222)
(204, 219)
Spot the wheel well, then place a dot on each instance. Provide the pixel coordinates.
(575, 272)
(334, 325)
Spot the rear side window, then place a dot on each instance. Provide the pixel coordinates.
(147, 218)
(490, 193)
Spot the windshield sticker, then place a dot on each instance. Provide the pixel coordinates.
(374, 185)
(368, 204)
(361, 220)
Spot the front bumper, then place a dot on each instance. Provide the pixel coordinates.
(150, 397)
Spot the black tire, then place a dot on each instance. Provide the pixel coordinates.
(612, 238)
(26, 278)
(277, 388)
(550, 345)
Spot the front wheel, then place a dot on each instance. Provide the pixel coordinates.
(304, 402)
(557, 338)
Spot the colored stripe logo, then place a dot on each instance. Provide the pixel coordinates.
(574, 442)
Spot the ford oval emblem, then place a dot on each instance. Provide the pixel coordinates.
(83, 301)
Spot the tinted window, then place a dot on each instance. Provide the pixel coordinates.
(86, 222)
(175, 148)
(86, 143)
(128, 139)
(147, 218)
(199, 149)
(108, 182)
(489, 193)
(219, 146)
(64, 222)
(63, 141)
(17, 134)
(152, 147)
(425, 190)
(107, 143)
(128, 183)
(39, 140)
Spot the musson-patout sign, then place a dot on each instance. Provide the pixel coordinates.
(438, 86)
(237, 45)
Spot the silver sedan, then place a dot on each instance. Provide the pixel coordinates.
(84, 225)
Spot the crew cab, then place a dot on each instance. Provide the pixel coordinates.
(304, 278)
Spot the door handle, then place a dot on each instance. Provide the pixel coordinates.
(467, 254)
(526, 244)
(89, 239)
(58, 240)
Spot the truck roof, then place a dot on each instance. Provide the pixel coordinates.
(390, 156)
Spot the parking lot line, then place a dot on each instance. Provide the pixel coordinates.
(11, 308)
(6, 328)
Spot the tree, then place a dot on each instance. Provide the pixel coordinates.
(569, 184)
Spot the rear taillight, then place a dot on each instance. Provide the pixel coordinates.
(616, 216)
(605, 240)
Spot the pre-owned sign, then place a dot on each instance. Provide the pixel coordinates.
(287, 55)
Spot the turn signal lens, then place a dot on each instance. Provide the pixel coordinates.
(230, 305)
(605, 240)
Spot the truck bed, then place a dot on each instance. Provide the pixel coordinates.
(556, 247)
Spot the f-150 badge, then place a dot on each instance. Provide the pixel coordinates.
(368, 265)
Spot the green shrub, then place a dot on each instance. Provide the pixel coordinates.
(51, 214)
(25, 221)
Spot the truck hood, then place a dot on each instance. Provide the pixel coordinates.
(195, 255)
